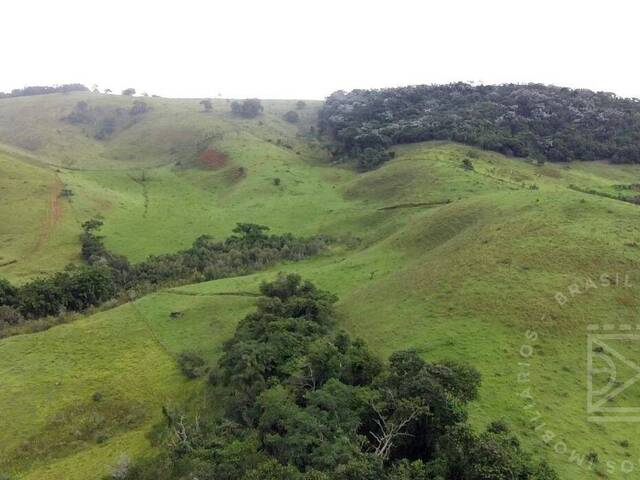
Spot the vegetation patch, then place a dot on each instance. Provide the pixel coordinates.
(303, 400)
(108, 275)
(78, 426)
(212, 159)
(558, 124)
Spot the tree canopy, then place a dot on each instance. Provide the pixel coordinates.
(302, 400)
(547, 122)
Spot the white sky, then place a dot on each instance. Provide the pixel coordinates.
(307, 49)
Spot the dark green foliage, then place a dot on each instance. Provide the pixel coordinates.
(547, 122)
(248, 250)
(81, 114)
(105, 121)
(139, 107)
(467, 164)
(494, 454)
(71, 290)
(107, 275)
(8, 293)
(300, 104)
(207, 105)
(30, 91)
(249, 108)
(129, 92)
(304, 402)
(292, 116)
(192, 365)
(10, 316)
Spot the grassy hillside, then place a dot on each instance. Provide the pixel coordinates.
(456, 263)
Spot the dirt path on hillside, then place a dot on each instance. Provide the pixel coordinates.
(54, 214)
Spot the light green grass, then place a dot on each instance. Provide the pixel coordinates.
(462, 280)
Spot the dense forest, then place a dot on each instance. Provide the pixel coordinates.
(44, 90)
(302, 400)
(544, 122)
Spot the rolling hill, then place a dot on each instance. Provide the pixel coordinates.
(459, 260)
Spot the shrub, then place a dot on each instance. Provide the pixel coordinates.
(292, 116)
(139, 107)
(207, 105)
(300, 104)
(192, 365)
(129, 92)
(10, 316)
(8, 293)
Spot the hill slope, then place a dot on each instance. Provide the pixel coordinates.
(458, 263)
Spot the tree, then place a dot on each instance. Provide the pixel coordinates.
(108, 91)
(248, 108)
(139, 107)
(207, 104)
(8, 293)
(292, 116)
(300, 104)
(129, 92)
(251, 232)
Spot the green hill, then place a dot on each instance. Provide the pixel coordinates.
(458, 260)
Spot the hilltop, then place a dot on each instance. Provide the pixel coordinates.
(451, 250)
(539, 121)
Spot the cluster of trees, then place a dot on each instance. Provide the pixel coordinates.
(44, 90)
(107, 275)
(106, 120)
(304, 401)
(547, 122)
(248, 108)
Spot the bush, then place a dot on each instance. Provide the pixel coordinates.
(129, 92)
(300, 104)
(139, 107)
(292, 116)
(192, 365)
(8, 293)
(10, 316)
(207, 105)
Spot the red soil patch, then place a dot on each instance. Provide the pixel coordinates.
(53, 215)
(213, 159)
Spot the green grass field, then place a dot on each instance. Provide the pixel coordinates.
(458, 264)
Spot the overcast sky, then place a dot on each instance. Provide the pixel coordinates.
(307, 49)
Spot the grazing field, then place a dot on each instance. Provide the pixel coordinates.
(457, 262)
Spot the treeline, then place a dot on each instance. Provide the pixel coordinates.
(107, 275)
(37, 90)
(304, 401)
(546, 122)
